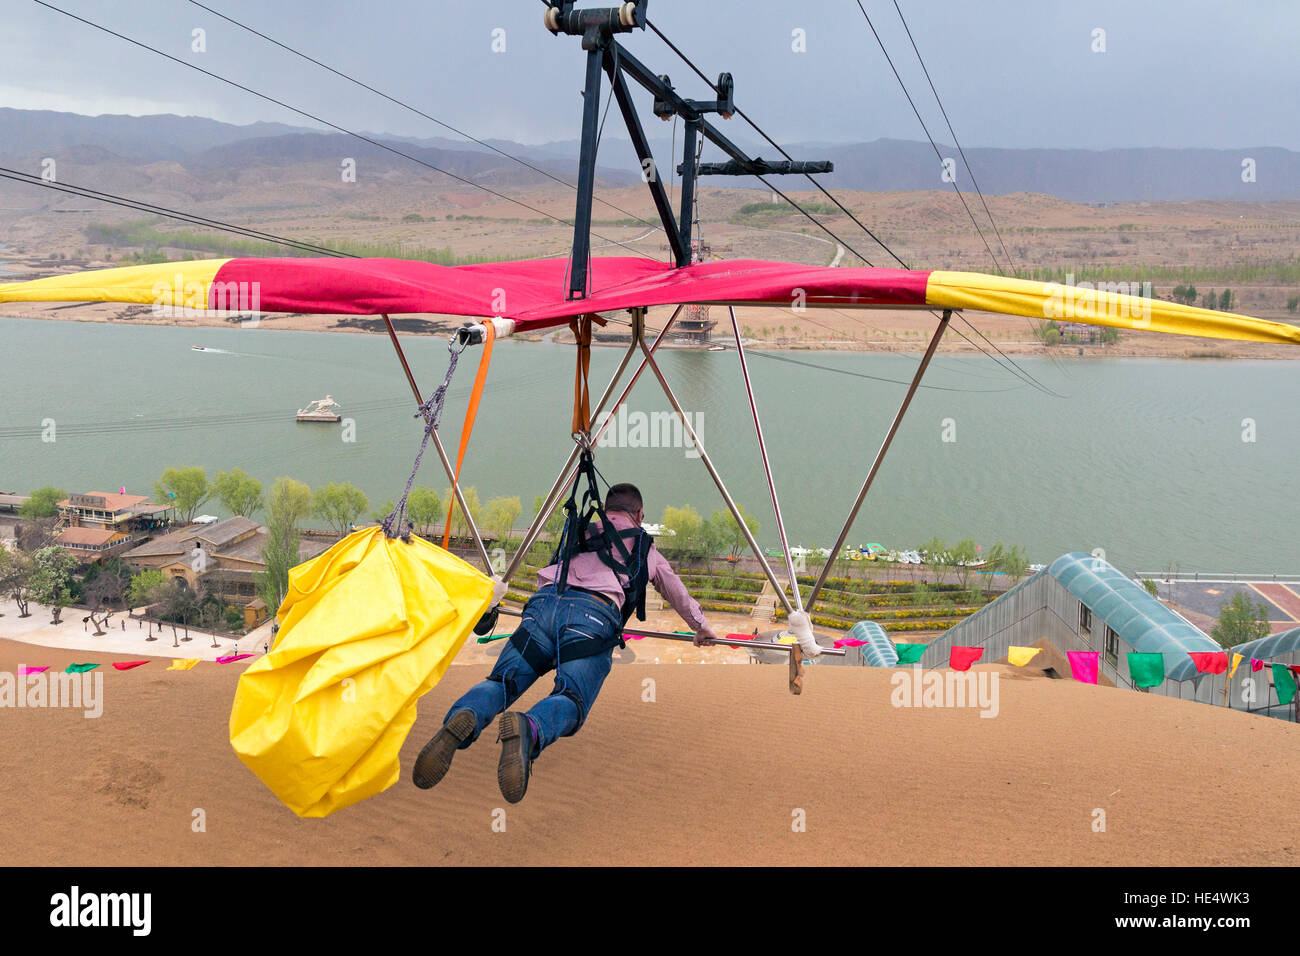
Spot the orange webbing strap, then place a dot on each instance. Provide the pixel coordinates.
(489, 334)
(581, 328)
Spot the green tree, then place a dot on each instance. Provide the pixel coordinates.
(17, 570)
(555, 523)
(459, 526)
(52, 582)
(339, 505)
(43, 502)
(1240, 620)
(424, 508)
(1225, 300)
(964, 554)
(1150, 587)
(1209, 300)
(238, 493)
(1293, 303)
(727, 533)
(185, 489)
(1052, 337)
(1015, 564)
(691, 538)
(144, 587)
(500, 515)
(287, 504)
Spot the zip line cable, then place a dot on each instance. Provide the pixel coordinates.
(324, 122)
(406, 106)
(926, 130)
(192, 219)
(965, 162)
(1013, 367)
(775, 145)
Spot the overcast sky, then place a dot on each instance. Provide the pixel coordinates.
(1012, 73)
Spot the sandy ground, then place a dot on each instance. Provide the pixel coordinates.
(714, 770)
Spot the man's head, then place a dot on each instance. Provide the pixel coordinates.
(626, 498)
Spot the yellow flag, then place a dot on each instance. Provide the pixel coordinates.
(1020, 656)
(1236, 659)
(183, 665)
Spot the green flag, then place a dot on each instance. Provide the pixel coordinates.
(79, 668)
(1284, 681)
(910, 653)
(1146, 670)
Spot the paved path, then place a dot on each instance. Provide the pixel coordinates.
(37, 629)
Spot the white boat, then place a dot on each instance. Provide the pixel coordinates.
(322, 410)
(199, 348)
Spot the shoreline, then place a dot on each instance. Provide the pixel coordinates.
(1148, 345)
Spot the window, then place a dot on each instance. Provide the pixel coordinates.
(1112, 648)
(1085, 619)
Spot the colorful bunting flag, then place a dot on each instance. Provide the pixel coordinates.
(1083, 664)
(230, 659)
(910, 653)
(1256, 665)
(1020, 656)
(961, 658)
(182, 665)
(1146, 670)
(1285, 683)
(127, 665)
(1236, 659)
(1209, 662)
(32, 670)
(79, 668)
(849, 642)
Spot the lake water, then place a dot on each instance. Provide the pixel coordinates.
(1144, 458)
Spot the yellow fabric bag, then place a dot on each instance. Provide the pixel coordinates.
(366, 629)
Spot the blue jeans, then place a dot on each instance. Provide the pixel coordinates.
(559, 631)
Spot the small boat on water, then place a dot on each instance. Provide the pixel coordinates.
(717, 348)
(321, 410)
(199, 348)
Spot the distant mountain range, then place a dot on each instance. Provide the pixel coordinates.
(202, 146)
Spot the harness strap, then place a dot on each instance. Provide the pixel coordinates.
(581, 328)
(489, 335)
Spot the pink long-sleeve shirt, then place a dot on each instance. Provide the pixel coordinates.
(586, 570)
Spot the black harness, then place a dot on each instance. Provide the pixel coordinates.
(626, 553)
(630, 560)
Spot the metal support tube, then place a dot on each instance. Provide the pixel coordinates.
(553, 497)
(442, 455)
(880, 455)
(688, 187)
(767, 467)
(717, 480)
(672, 636)
(681, 256)
(586, 177)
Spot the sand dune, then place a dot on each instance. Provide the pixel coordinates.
(713, 771)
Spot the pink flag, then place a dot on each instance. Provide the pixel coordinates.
(961, 658)
(1209, 662)
(32, 670)
(232, 658)
(1256, 665)
(1083, 664)
(849, 642)
(127, 665)
(122, 490)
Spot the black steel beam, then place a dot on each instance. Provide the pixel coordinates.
(642, 74)
(761, 167)
(586, 177)
(688, 185)
(681, 253)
